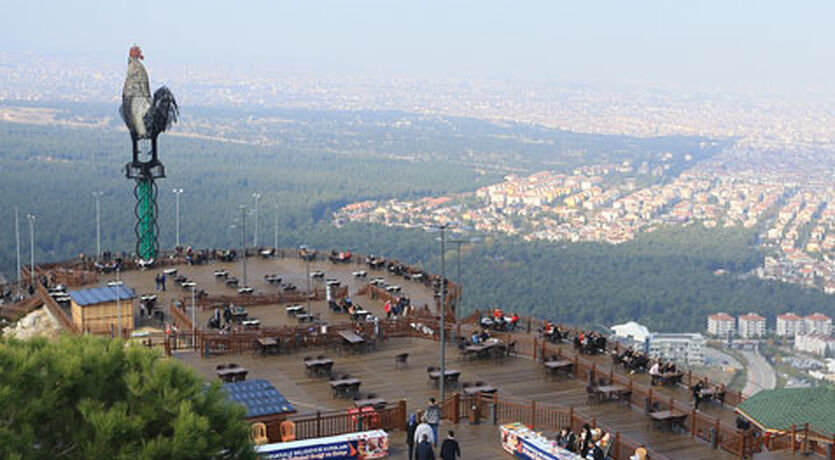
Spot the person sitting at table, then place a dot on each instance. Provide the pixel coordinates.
(358, 330)
(514, 321)
(475, 338)
(352, 309)
(485, 335)
(567, 440)
(655, 371)
(498, 318)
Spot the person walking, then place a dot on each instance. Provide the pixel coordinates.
(424, 449)
(449, 448)
(411, 426)
(424, 429)
(433, 418)
(697, 394)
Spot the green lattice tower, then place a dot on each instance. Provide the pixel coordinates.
(145, 173)
(147, 230)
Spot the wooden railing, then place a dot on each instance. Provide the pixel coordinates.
(319, 424)
(539, 416)
(56, 309)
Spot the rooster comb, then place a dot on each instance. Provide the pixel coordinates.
(135, 51)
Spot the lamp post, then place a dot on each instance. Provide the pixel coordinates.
(98, 194)
(17, 243)
(31, 218)
(442, 378)
(193, 316)
(177, 193)
(307, 272)
(460, 299)
(119, 300)
(243, 242)
(275, 229)
(256, 197)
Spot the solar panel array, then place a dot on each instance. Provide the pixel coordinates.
(102, 294)
(259, 397)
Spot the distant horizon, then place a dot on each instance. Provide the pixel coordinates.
(754, 48)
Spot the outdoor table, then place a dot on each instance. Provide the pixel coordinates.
(232, 282)
(450, 376)
(268, 345)
(351, 337)
(305, 317)
(373, 402)
(345, 386)
(560, 366)
(239, 313)
(272, 279)
(668, 419)
(250, 324)
(245, 290)
(292, 310)
(483, 349)
(170, 271)
(235, 374)
(480, 389)
(221, 273)
(611, 392)
(319, 366)
(668, 378)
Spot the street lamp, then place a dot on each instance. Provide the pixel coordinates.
(442, 378)
(17, 243)
(256, 197)
(460, 302)
(31, 218)
(243, 242)
(119, 299)
(275, 229)
(177, 193)
(98, 194)
(193, 316)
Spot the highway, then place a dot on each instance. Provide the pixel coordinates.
(761, 375)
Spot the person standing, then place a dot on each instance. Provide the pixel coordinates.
(423, 430)
(433, 418)
(424, 449)
(411, 425)
(697, 394)
(449, 448)
(162, 281)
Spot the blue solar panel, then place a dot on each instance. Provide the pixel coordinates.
(100, 295)
(259, 397)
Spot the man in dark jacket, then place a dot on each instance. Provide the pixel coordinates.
(424, 449)
(449, 448)
(411, 424)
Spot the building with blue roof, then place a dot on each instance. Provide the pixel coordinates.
(102, 310)
(263, 403)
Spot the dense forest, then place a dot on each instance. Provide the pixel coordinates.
(664, 278)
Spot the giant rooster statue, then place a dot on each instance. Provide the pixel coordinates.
(145, 118)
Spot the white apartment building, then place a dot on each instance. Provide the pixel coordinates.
(818, 324)
(751, 326)
(720, 324)
(789, 325)
(815, 344)
(680, 348)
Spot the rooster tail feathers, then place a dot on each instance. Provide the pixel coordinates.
(163, 112)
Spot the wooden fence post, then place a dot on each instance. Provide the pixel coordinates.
(571, 417)
(693, 422)
(456, 401)
(533, 415)
(617, 444)
(534, 349)
(793, 433)
(318, 424)
(401, 414)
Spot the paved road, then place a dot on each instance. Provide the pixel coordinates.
(761, 375)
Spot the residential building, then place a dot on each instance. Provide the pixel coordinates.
(680, 348)
(789, 325)
(720, 324)
(751, 326)
(815, 344)
(818, 323)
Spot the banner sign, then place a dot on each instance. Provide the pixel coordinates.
(526, 444)
(366, 445)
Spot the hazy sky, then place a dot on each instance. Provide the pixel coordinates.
(762, 44)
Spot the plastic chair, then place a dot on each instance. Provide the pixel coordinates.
(259, 433)
(287, 431)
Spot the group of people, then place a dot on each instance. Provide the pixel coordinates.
(224, 322)
(553, 333)
(480, 337)
(591, 444)
(665, 373)
(395, 309)
(159, 281)
(502, 323)
(422, 438)
(631, 360)
(590, 343)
